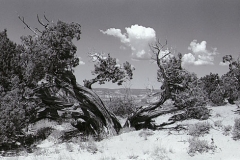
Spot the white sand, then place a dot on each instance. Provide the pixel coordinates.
(160, 145)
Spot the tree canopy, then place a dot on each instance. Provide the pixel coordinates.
(107, 69)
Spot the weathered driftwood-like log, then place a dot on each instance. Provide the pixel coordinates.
(87, 109)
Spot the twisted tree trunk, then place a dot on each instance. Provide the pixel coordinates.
(142, 118)
(87, 109)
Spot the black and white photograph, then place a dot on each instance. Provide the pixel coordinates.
(119, 79)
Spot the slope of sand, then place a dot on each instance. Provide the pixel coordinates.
(147, 144)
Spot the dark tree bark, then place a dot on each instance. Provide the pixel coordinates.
(90, 114)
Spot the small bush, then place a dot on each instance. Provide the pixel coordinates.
(199, 129)
(197, 145)
(121, 106)
(236, 129)
(218, 124)
(226, 130)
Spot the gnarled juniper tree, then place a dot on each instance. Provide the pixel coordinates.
(178, 84)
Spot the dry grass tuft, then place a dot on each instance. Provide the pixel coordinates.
(199, 129)
(200, 146)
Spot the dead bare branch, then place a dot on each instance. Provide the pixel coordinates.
(39, 21)
(38, 30)
(30, 28)
(46, 18)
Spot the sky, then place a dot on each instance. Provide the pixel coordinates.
(202, 30)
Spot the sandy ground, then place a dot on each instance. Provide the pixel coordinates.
(159, 145)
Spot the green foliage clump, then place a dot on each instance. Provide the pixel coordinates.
(107, 69)
(217, 97)
(192, 98)
(52, 52)
(212, 85)
(227, 129)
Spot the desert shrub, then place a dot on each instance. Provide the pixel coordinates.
(201, 146)
(226, 130)
(236, 129)
(121, 105)
(199, 129)
(218, 123)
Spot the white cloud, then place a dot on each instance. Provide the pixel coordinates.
(200, 55)
(137, 38)
(188, 59)
(224, 64)
(80, 61)
(116, 33)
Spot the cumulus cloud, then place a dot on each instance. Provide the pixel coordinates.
(137, 38)
(116, 33)
(200, 55)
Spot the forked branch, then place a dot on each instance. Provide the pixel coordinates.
(30, 28)
(44, 25)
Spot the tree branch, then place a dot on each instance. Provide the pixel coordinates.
(39, 21)
(22, 19)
